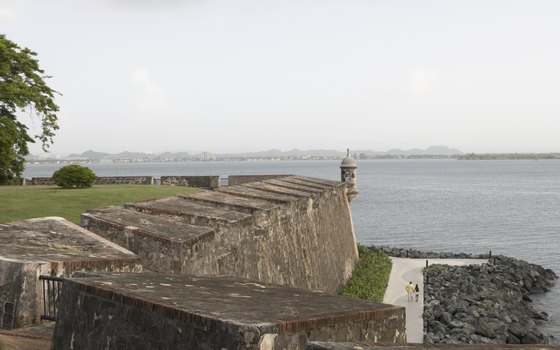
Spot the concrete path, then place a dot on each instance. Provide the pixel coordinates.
(406, 270)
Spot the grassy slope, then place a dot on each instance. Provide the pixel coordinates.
(370, 277)
(25, 202)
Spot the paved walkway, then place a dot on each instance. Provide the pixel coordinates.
(406, 270)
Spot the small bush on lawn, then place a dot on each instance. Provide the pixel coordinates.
(74, 176)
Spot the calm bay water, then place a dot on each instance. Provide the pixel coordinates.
(508, 207)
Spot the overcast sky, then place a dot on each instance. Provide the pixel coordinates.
(240, 75)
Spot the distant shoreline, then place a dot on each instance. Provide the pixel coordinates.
(471, 156)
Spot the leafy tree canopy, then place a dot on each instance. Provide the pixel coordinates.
(74, 176)
(22, 89)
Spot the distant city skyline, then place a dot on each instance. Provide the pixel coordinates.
(247, 75)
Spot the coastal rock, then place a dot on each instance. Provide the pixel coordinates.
(418, 254)
(487, 303)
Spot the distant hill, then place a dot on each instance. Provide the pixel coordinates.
(432, 150)
(272, 153)
(90, 154)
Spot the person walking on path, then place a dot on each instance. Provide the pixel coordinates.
(409, 290)
(416, 292)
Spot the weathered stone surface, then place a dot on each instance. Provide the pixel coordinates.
(248, 192)
(48, 246)
(162, 244)
(235, 180)
(148, 311)
(281, 231)
(102, 180)
(192, 181)
(230, 202)
(124, 180)
(42, 181)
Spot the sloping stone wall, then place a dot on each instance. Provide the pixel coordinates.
(294, 231)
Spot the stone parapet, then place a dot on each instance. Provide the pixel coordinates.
(192, 181)
(41, 181)
(149, 311)
(100, 180)
(124, 180)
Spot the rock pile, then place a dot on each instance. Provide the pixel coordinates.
(418, 254)
(487, 303)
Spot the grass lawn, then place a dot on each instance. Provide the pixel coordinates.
(25, 202)
(370, 277)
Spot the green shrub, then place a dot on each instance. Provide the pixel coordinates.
(370, 277)
(74, 176)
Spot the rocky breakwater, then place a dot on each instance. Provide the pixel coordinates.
(420, 254)
(487, 303)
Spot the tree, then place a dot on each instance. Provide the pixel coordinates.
(74, 176)
(22, 89)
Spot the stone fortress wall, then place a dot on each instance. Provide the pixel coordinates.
(282, 231)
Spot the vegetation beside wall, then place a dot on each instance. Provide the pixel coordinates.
(25, 202)
(370, 277)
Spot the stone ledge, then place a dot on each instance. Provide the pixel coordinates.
(249, 192)
(146, 225)
(229, 201)
(178, 207)
(53, 239)
(206, 312)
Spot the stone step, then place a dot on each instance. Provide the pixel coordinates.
(284, 182)
(229, 201)
(126, 220)
(275, 189)
(251, 192)
(331, 183)
(305, 183)
(162, 244)
(190, 211)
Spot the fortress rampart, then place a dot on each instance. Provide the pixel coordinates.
(290, 230)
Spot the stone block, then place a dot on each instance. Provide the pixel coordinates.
(53, 247)
(155, 311)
